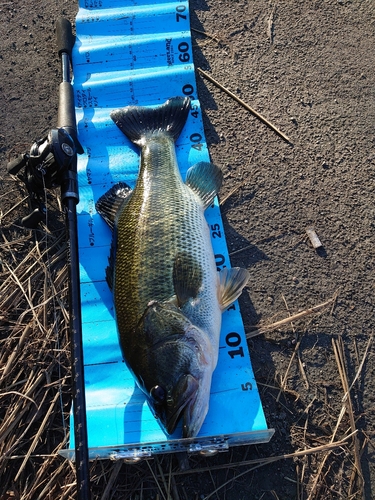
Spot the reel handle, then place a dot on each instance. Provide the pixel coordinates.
(32, 220)
(14, 166)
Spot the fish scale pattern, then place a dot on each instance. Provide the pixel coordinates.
(172, 214)
(139, 52)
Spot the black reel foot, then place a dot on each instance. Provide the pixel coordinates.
(32, 220)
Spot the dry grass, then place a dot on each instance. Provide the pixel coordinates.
(35, 403)
(34, 361)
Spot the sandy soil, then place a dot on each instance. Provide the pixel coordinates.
(308, 67)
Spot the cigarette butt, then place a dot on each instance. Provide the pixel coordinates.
(315, 241)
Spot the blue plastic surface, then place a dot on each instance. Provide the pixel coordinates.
(139, 52)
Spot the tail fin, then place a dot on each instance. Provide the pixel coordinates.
(136, 122)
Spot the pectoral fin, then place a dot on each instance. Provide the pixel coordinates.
(187, 277)
(205, 180)
(232, 281)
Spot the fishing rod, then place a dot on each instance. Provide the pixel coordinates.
(52, 162)
(69, 194)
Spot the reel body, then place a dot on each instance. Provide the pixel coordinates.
(46, 166)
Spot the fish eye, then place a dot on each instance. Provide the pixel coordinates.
(157, 393)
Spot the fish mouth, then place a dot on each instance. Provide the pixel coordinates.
(182, 398)
(174, 417)
(196, 409)
(193, 420)
(189, 410)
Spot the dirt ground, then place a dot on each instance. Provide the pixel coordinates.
(308, 67)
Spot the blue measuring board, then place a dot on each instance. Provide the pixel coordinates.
(140, 52)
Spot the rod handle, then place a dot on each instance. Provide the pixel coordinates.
(64, 35)
(66, 111)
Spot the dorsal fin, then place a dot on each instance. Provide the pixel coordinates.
(205, 179)
(232, 281)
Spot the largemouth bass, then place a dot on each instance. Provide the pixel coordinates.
(168, 295)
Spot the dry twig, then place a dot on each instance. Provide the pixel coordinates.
(245, 105)
(290, 319)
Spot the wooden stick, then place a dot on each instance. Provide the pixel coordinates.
(326, 447)
(286, 321)
(231, 192)
(259, 462)
(156, 480)
(13, 207)
(240, 249)
(339, 355)
(37, 436)
(359, 369)
(9, 366)
(112, 479)
(340, 359)
(207, 35)
(302, 369)
(285, 378)
(20, 395)
(245, 105)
